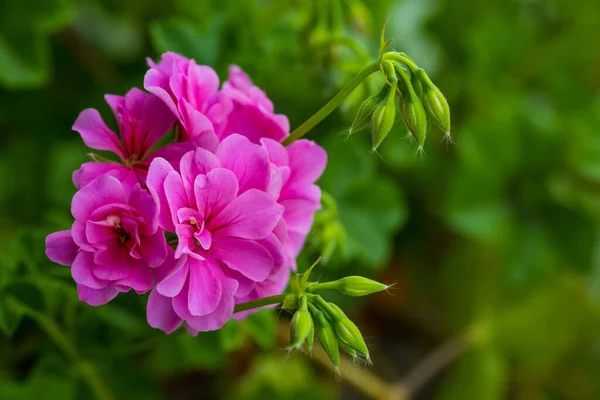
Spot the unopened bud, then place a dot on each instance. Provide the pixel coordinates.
(347, 332)
(435, 104)
(327, 337)
(301, 327)
(366, 109)
(415, 117)
(310, 338)
(383, 117)
(359, 286)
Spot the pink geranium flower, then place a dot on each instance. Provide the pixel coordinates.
(299, 165)
(295, 169)
(251, 113)
(225, 218)
(190, 91)
(142, 120)
(113, 242)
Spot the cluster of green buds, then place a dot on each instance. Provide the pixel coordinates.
(314, 316)
(407, 89)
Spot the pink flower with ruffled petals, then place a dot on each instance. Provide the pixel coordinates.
(228, 229)
(190, 91)
(252, 113)
(142, 119)
(299, 166)
(113, 242)
(294, 170)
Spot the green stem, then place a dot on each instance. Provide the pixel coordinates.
(313, 287)
(333, 103)
(85, 368)
(265, 301)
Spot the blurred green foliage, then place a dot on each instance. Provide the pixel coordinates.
(496, 234)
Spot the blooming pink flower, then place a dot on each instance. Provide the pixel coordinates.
(113, 242)
(299, 165)
(251, 113)
(190, 91)
(225, 219)
(295, 169)
(142, 119)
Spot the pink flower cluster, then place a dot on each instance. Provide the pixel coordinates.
(238, 202)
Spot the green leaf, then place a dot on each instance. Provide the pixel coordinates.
(231, 335)
(27, 293)
(538, 329)
(10, 315)
(262, 327)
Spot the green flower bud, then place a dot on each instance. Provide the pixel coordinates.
(435, 103)
(327, 337)
(383, 117)
(414, 116)
(359, 286)
(347, 332)
(366, 109)
(310, 338)
(290, 303)
(301, 325)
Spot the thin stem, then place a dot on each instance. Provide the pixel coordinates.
(333, 103)
(265, 301)
(435, 361)
(86, 369)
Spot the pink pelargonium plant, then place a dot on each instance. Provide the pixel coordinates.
(113, 243)
(142, 120)
(226, 223)
(208, 115)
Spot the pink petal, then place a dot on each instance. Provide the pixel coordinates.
(145, 205)
(249, 162)
(254, 124)
(160, 313)
(113, 263)
(224, 310)
(204, 288)
(79, 236)
(101, 191)
(159, 169)
(98, 232)
(276, 152)
(81, 270)
(248, 257)
(95, 133)
(194, 122)
(154, 249)
(253, 215)
(60, 247)
(156, 83)
(176, 195)
(173, 283)
(198, 162)
(202, 83)
(91, 170)
(140, 277)
(307, 161)
(299, 214)
(214, 191)
(96, 297)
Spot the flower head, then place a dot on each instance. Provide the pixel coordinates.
(219, 206)
(190, 91)
(142, 120)
(113, 242)
(251, 112)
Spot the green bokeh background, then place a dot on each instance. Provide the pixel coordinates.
(497, 234)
